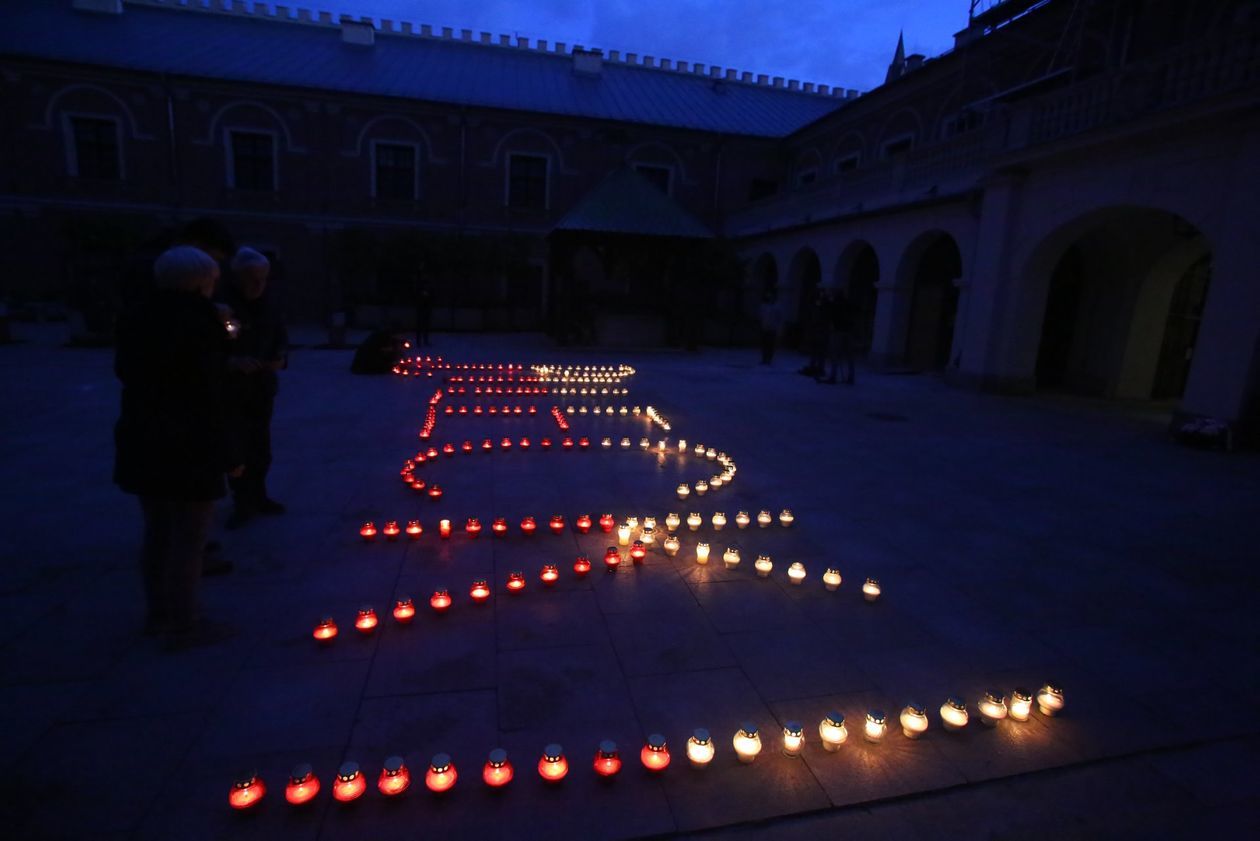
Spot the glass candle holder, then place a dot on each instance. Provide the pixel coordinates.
(655, 753)
(719, 521)
(552, 766)
(1021, 704)
(672, 521)
(742, 519)
(1050, 700)
(831, 579)
(731, 557)
(349, 784)
(764, 519)
(700, 748)
(832, 732)
(871, 590)
(914, 721)
(763, 565)
(954, 715)
(394, 778)
(702, 553)
(786, 518)
(875, 727)
(498, 771)
(992, 707)
(793, 739)
(607, 759)
(747, 743)
(303, 785)
(796, 572)
(694, 521)
(671, 545)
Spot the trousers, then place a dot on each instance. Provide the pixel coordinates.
(175, 534)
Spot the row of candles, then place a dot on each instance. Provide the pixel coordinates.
(583, 523)
(404, 611)
(350, 783)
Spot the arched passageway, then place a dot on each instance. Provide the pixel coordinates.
(929, 268)
(804, 276)
(1124, 300)
(857, 272)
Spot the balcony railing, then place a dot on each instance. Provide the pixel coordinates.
(1185, 76)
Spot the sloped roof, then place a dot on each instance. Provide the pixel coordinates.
(626, 203)
(190, 41)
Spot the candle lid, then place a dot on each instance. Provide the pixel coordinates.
(497, 757)
(915, 708)
(993, 696)
(656, 742)
(553, 752)
(748, 729)
(348, 770)
(246, 779)
(875, 716)
(1021, 694)
(393, 765)
(956, 702)
(441, 762)
(700, 736)
(301, 772)
(835, 719)
(607, 748)
(793, 728)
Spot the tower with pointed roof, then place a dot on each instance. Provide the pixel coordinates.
(899, 60)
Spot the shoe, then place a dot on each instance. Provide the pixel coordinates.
(237, 518)
(215, 566)
(201, 634)
(271, 508)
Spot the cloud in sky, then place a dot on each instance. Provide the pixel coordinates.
(834, 42)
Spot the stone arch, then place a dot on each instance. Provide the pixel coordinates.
(857, 272)
(903, 122)
(212, 130)
(420, 133)
(50, 109)
(1108, 283)
(669, 152)
(928, 272)
(500, 148)
(797, 295)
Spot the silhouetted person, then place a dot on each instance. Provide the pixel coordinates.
(173, 443)
(258, 351)
(817, 327)
(840, 338)
(770, 319)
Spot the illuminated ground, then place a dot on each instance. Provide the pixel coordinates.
(1017, 540)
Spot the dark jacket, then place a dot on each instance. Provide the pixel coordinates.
(262, 336)
(171, 440)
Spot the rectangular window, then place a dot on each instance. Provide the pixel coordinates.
(527, 182)
(96, 148)
(898, 146)
(395, 171)
(658, 176)
(806, 177)
(848, 163)
(253, 164)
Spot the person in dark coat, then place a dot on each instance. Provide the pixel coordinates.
(424, 311)
(172, 441)
(840, 340)
(258, 350)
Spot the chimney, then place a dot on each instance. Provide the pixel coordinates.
(614, 56)
(777, 81)
(649, 61)
(851, 93)
(485, 37)
(731, 74)
(506, 40)
(746, 76)
(357, 33)
(715, 72)
(824, 90)
(540, 45)
(794, 84)
(665, 64)
(587, 62)
(763, 79)
(465, 34)
(559, 47)
(109, 7)
(808, 87)
(914, 62)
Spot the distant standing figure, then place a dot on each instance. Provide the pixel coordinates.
(840, 341)
(258, 351)
(424, 313)
(172, 441)
(770, 317)
(817, 328)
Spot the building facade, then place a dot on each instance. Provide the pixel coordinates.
(1063, 201)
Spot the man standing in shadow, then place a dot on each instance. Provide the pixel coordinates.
(259, 350)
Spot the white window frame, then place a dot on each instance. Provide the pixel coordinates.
(72, 148)
(883, 147)
(415, 149)
(856, 157)
(669, 184)
(507, 178)
(228, 131)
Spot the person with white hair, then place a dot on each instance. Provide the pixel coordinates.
(259, 349)
(172, 441)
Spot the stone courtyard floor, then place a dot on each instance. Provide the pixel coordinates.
(1016, 539)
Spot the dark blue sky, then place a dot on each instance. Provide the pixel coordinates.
(833, 42)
